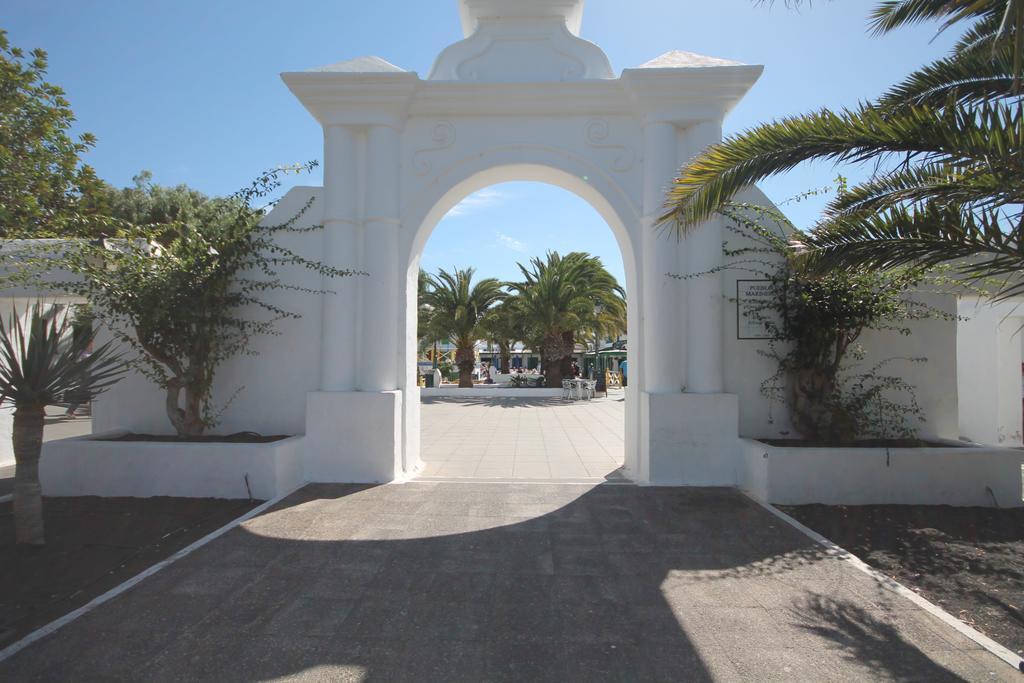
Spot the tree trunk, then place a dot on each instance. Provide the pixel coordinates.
(505, 353)
(187, 422)
(465, 359)
(553, 375)
(27, 440)
(565, 365)
(816, 412)
(556, 349)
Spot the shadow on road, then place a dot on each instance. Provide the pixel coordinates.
(475, 582)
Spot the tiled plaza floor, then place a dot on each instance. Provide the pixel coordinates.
(523, 438)
(432, 581)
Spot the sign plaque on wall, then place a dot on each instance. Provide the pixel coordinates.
(753, 298)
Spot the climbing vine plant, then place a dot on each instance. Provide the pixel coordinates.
(814, 324)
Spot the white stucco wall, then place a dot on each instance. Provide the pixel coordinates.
(523, 97)
(989, 358)
(273, 382)
(957, 475)
(935, 339)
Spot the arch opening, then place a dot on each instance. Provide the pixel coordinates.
(496, 431)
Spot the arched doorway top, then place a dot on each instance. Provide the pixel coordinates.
(530, 164)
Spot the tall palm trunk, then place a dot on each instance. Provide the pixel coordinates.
(28, 495)
(505, 352)
(465, 359)
(553, 352)
(565, 365)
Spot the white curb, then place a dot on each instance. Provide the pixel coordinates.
(992, 646)
(57, 624)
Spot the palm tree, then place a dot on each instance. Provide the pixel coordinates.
(39, 362)
(947, 143)
(423, 336)
(456, 309)
(563, 298)
(503, 325)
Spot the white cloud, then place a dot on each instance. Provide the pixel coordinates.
(509, 242)
(477, 200)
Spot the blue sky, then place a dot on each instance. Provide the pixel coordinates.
(190, 89)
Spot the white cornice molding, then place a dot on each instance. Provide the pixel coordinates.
(669, 94)
(681, 96)
(339, 98)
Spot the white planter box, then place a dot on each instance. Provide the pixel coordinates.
(6, 431)
(959, 476)
(490, 391)
(83, 466)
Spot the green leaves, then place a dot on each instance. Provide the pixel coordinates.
(946, 144)
(42, 180)
(814, 323)
(193, 296)
(573, 294)
(453, 309)
(984, 249)
(892, 14)
(457, 305)
(45, 357)
(559, 299)
(984, 145)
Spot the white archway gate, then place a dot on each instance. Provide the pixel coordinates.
(521, 98)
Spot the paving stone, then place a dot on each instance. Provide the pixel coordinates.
(567, 583)
(508, 660)
(444, 661)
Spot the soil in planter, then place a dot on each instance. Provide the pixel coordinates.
(92, 545)
(239, 437)
(866, 443)
(968, 561)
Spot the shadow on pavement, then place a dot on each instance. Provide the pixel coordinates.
(495, 401)
(474, 582)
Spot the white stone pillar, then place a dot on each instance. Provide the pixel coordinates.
(705, 303)
(662, 352)
(380, 365)
(341, 169)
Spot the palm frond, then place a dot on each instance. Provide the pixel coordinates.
(939, 184)
(990, 135)
(457, 304)
(980, 245)
(972, 77)
(892, 14)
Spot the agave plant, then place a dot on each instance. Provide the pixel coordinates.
(947, 144)
(41, 360)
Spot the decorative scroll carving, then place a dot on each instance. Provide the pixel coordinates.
(442, 137)
(525, 57)
(598, 133)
